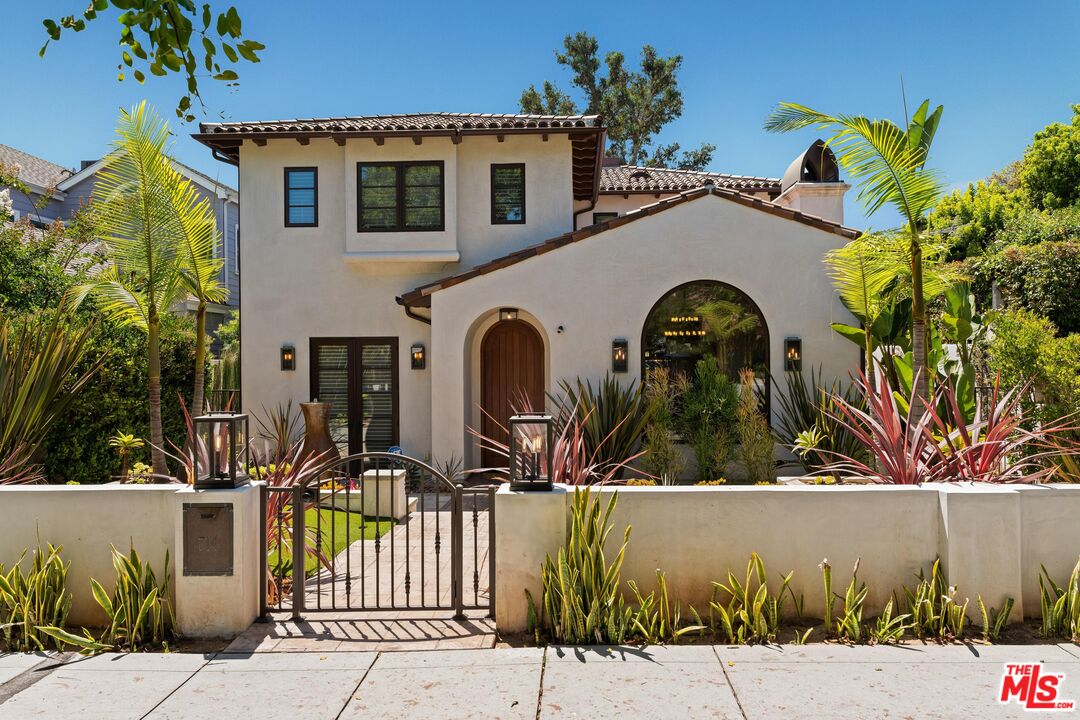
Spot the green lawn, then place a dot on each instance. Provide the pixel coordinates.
(345, 525)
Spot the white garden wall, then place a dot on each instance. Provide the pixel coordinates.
(88, 520)
(992, 539)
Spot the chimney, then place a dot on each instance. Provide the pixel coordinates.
(812, 184)
(85, 164)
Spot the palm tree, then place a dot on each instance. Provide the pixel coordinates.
(726, 319)
(138, 204)
(873, 271)
(889, 165)
(200, 270)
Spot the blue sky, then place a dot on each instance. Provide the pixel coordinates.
(1002, 69)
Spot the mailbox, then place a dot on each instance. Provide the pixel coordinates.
(208, 539)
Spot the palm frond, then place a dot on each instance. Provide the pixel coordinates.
(193, 222)
(862, 274)
(887, 162)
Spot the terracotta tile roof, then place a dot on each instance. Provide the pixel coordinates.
(421, 296)
(418, 122)
(33, 169)
(633, 178)
(586, 134)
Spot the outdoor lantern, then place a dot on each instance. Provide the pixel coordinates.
(288, 357)
(793, 354)
(530, 452)
(221, 455)
(508, 313)
(619, 351)
(419, 359)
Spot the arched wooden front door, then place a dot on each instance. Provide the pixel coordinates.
(511, 363)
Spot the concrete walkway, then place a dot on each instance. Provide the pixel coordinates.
(742, 683)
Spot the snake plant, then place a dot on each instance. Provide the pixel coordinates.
(581, 600)
(33, 599)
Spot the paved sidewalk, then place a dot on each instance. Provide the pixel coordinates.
(700, 681)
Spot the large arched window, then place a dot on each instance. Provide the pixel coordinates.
(701, 318)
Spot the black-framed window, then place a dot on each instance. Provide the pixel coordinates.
(301, 197)
(508, 194)
(358, 376)
(400, 197)
(603, 217)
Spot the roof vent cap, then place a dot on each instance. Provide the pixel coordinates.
(816, 165)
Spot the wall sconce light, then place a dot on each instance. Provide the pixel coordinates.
(288, 357)
(508, 314)
(619, 352)
(419, 357)
(793, 354)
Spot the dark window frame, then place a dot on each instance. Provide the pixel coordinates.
(355, 408)
(315, 206)
(596, 219)
(399, 194)
(497, 166)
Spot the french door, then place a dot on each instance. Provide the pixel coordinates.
(358, 376)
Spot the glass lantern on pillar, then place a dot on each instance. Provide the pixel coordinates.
(221, 458)
(530, 452)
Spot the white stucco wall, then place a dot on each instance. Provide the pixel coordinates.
(991, 539)
(89, 520)
(300, 283)
(603, 287)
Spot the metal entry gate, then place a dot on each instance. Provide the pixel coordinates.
(379, 531)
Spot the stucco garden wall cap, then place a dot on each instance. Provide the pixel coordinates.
(102, 487)
(419, 297)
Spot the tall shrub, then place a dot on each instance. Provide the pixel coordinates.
(114, 400)
(1041, 278)
(706, 419)
(44, 366)
(756, 449)
(663, 457)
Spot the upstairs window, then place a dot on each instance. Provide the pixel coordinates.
(399, 197)
(508, 194)
(301, 197)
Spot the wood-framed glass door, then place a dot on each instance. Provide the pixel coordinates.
(358, 376)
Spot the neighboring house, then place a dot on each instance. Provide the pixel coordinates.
(41, 177)
(422, 272)
(57, 193)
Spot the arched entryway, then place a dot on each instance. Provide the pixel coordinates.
(511, 367)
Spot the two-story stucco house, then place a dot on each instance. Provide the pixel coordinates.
(56, 193)
(420, 271)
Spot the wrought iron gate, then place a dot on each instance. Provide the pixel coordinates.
(373, 536)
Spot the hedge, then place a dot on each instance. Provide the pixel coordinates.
(117, 400)
(1042, 278)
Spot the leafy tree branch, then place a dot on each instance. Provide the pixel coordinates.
(169, 36)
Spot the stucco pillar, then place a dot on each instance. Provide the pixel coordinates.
(529, 526)
(981, 544)
(221, 605)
